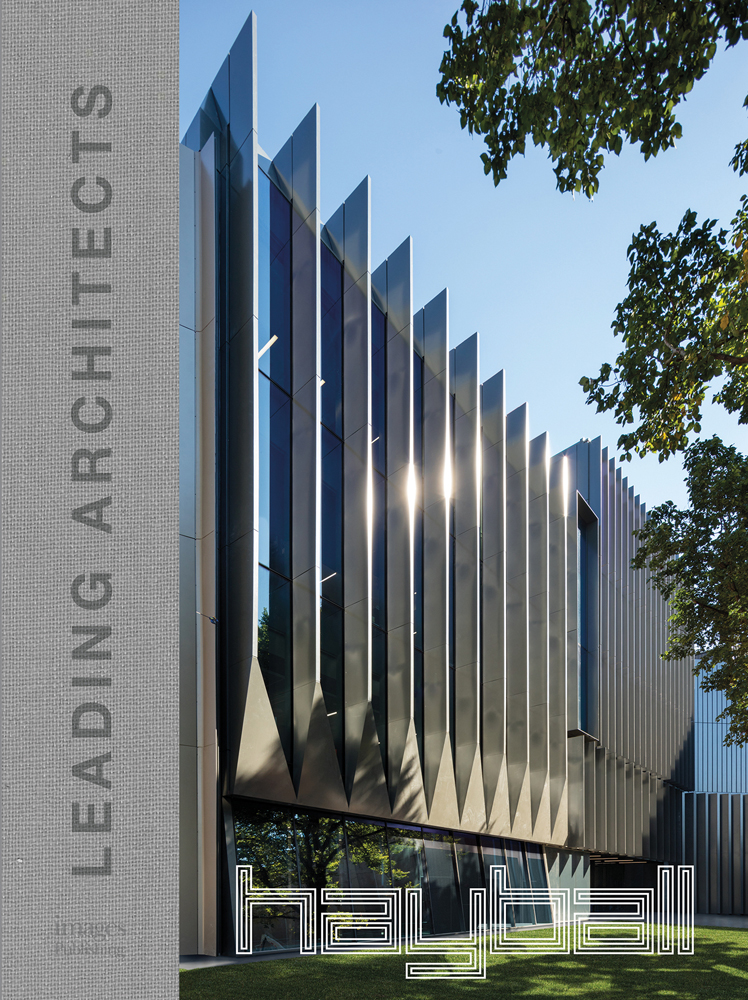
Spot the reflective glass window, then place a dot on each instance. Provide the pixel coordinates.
(274, 645)
(408, 864)
(492, 852)
(379, 552)
(379, 687)
(518, 879)
(469, 870)
(331, 643)
(320, 843)
(332, 517)
(275, 477)
(265, 839)
(368, 855)
(538, 880)
(378, 388)
(274, 275)
(446, 910)
(332, 341)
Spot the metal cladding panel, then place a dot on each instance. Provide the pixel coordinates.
(243, 236)
(557, 724)
(638, 812)
(467, 491)
(713, 853)
(305, 299)
(604, 648)
(399, 400)
(538, 629)
(611, 803)
(301, 171)
(702, 855)
(493, 586)
(305, 458)
(601, 801)
(739, 905)
(618, 598)
(577, 818)
(242, 427)
(436, 487)
(572, 599)
(306, 172)
(626, 650)
(418, 333)
(590, 796)
(517, 689)
(689, 829)
(637, 691)
(744, 840)
(646, 838)
(356, 556)
(333, 232)
(357, 357)
(620, 783)
(399, 457)
(357, 233)
(400, 288)
(242, 85)
(349, 231)
(400, 610)
(725, 887)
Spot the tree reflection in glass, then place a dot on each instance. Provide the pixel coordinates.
(265, 839)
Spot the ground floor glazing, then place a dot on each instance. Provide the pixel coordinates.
(289, 848)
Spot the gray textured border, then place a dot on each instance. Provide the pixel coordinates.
(90, 912)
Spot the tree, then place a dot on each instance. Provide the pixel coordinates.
(699, 559)
(581, 78)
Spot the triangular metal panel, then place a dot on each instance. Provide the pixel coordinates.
(369, 795)
(444, 811)
(540, 806)
(320, 784)
(519, 800)
(410, 800)
(261, 769)
(473, 810)
(498, 822)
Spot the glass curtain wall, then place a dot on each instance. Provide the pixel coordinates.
(287, 847)
(274, 487)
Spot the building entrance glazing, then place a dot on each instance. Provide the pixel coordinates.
(293, 849)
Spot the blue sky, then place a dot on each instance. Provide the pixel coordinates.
(537, 273)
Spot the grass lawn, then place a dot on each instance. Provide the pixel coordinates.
(718, 969)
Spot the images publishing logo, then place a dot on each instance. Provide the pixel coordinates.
(368, 921)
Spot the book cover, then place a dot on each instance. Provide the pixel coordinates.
(90, 499)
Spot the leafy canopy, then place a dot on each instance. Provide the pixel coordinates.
(698, 558)
(580, 78)
(684, 324)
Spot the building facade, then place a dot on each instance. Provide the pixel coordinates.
(412, 644)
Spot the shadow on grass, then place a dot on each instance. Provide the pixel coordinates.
(718, 969)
